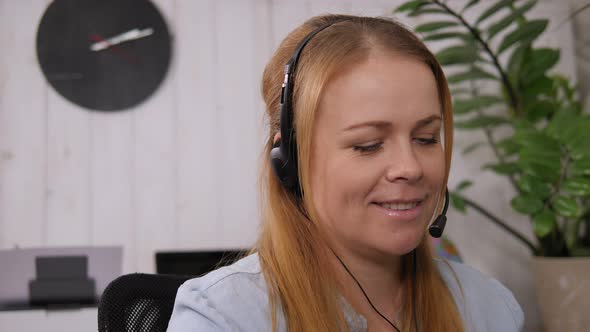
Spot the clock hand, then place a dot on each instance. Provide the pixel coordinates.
(129, 57)
(120, 38)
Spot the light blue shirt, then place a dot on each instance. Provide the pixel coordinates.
(234, 298)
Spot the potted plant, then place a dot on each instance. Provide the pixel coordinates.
(536, 128)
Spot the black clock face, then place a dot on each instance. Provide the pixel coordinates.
(105, 55)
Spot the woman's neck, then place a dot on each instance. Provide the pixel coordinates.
(380, 280)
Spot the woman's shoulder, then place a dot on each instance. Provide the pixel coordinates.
(484, 302)
(233, 297)
(244, 271)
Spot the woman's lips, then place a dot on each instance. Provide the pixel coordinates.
(400, 215)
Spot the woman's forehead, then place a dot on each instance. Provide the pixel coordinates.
(398, 89)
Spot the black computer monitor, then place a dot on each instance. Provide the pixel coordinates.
(195, 263)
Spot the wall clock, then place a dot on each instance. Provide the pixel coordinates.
(105, 55)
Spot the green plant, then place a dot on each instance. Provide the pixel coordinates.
(534, 124)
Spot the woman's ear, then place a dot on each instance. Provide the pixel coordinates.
(276, 139)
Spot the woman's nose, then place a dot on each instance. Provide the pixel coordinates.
(404, 166)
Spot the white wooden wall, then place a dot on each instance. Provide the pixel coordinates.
(180, 170)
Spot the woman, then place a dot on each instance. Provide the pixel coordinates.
(357, 172)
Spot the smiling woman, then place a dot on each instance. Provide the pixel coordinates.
(360, 142)
(376, 184)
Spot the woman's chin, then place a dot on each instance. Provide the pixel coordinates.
(401, 245)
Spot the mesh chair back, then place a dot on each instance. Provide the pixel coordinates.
(138, 303)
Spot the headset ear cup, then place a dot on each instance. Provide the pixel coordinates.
(285, 170)
(277, 161)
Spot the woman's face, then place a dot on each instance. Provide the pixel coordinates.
(377, 162)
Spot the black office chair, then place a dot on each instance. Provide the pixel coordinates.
(138, 303)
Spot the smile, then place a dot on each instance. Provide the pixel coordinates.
(399, 206)
(399, 211)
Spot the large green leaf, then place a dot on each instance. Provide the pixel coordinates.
(526, 204)
(540, 60)
(532, 91)
(537, 141)
(567, 207)
(508, 146)
(433, 26)
(564, 85)
(543, 223)
(580, 151)
(577, 186)
(493, 9)
(481, 122)
(539, 109)
(524, 126)
(462, 106)
(526, 33)
(410, 5)
(508, 19)
(457, 202)
(580, 167)
(560, 123)
(458, 54)
(540, 169)
(463, 185)
(535, 154)
(469, 5)
(516, 60)
(577, 137)
(446, 35)
(505, 168)
(475, 73)
(534, 186)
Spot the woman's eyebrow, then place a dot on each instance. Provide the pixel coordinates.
(381, 125)
(428, 120)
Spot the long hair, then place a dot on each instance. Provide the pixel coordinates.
(300, 284)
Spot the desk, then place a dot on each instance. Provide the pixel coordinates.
(84, 319)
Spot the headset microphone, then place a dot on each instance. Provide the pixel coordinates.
(438, 226)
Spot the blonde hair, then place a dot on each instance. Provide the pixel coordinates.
(299, 283)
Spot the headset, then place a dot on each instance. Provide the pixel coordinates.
(283, 158)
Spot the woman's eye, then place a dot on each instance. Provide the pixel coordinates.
(368, 148)
(427, 141)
